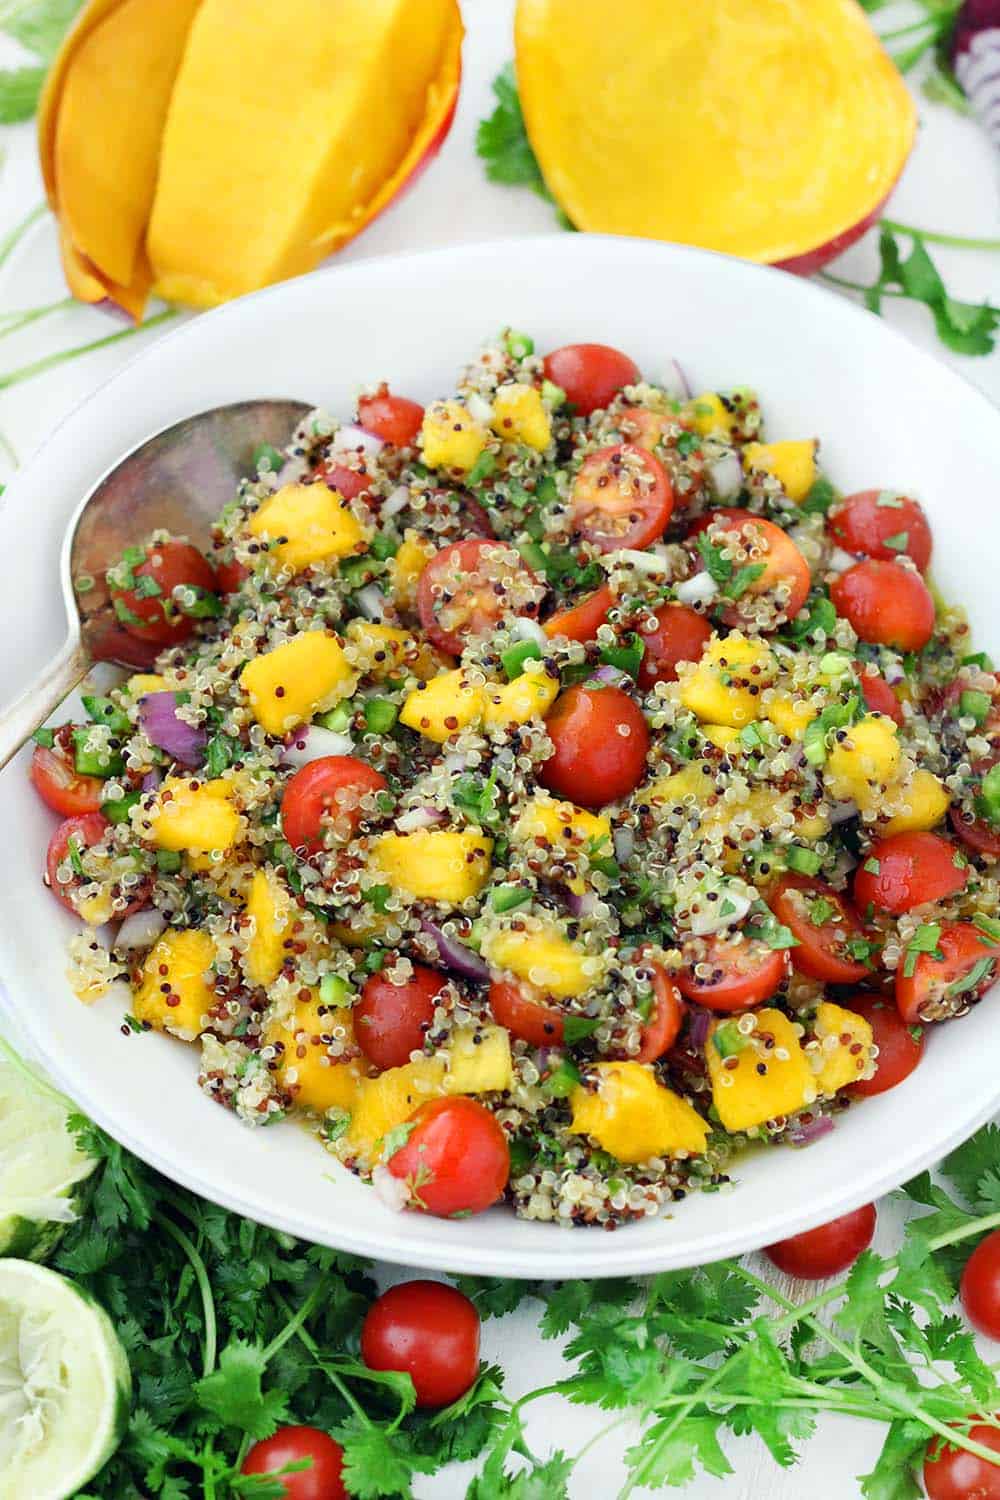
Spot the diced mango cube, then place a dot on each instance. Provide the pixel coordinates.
(450, 437)
(562, 824)
(196, 816)
(444, 706)
(384, 650)
(141, 683)
(382, 1104)
(709, 415)
(721, 735)
(718, 690)
(182, 1008)
(479, 1061)
(434, 864)
(519, 416)
(633, 1117)
(745, 1097)
(309, 523)
(272, 912)
(545, 959)
(790, 716)
(415, 552)
(862, 765)
(923, 803)
(792, 464)
(291, 683)
(529, 696)
(304, 1067)
(848, 1060)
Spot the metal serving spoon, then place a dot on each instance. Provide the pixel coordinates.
(178, 479)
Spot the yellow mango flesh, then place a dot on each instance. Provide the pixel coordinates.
(316, 522)
(272, 913)
(544, 959)
(87, 284)
(924, 803)
(861, 766)
(709, 416)
(305, 1068)
(383, 1103)
(385, 651)
(443, 706)
(406, 567)
(479, 1061)
(290, 125)
(633, 1117)
(291, 683)
(792, 464)
(519, 416)
(450, 437)
(529, 696)
(434, 864)
(631, 115)
(561, 824)
(790, 716)
(187, 958)
(718, 690)
(841, 1065)
(198, 821)
(744, 1097)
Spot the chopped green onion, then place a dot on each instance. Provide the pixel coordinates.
(339, 718)
(268, 458)
(514, 658)
(627, 656)
(380, 715)
(728, 1040)
(988, 801)
(553, 394)
(168, 861)
(103, 711)
(975, 705)
(805, 861)
(688, 443)
(102, 763)
(814, 743)
(978, 659)
(562, 1080)
(117, 809)
(333, 990)
(518, 345)
(73, 849)
(821, 911)
(507, 897)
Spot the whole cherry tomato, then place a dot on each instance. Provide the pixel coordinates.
(907, 870)
(394, 419)
(877, 523)
(328, 790)
(980, 1286)
(590, 374)
(391, 1020)
(321, 1481)
(953, 1474)
(172, 587)
(828, 1250)
(455, 1160)
(428, 1331)
(887, 604)
(601, 740)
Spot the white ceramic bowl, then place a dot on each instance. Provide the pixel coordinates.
(888, 415)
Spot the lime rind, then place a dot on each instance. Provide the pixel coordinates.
(41, 1166)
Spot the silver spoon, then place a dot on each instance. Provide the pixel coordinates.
(178, 479)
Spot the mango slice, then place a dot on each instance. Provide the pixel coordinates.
(772, 131)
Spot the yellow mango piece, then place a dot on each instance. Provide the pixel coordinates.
(722, 735)
(291, 683)
(383, 650)
(562, 824)
(709, 416)
(141, 683)
(434, 864)
(187, 956)
(317, 525)
(415, 552)
(529, 696)
(520, 416)
(196, 818)
(319, 111)
(744, 1097)
(793, 465)
(633, 1117)
(790, 716)
(842, 1064)
(443, 706)
(87, 284)
(305, 1068)
(363, 926)
(383, 1103)
(450, 437)
(865, 763)
(272, 912)
(479, 1061)
(544, 959)
(923, 803)
(718, 690)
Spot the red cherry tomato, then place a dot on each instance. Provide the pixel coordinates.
(922, 994)
(730, 513)
(954, 1474)
(899, 1050)
(978, 834)
(601, 741)
(681, 634)
(828, 1250)
(580, 621)
(455, 1160)
(161, 617)
(391, 1020)
(321, 1481)
(767, 547)
(863, 525)
(908, 869)
(590, 374)
(329, 789)
(737, 972)
(529, 1020)
(394, 419)
(349, 483)
(85, 830)
(60, 786)
(468, 587)
(428, 1331)
(622, 497)
(665, 1020)
(887, 604)
(980, 1286)
(823, 923)
(878, 695)
(230, 575)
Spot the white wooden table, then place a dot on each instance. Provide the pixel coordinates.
(950, 185)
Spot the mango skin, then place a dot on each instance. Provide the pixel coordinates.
(434, 864)
(311, 672)
(317, 523)
(187, 956)
(633, 1117)
(747, 1098)
(199, 821)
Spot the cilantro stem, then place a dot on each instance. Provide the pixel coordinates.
(636, 1480)
(294, 1324)
(957, 241)
(331, 1374)
(62, 356)
(204, 1286)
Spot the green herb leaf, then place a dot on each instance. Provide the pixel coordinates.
(502, 140)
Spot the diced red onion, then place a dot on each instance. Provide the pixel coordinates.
(976, 60)
(612, 676)
(701, 588)
(842, 812)
(350, 437)
(804, 1135)
(183, 742)
(701, 1019)
(419, 817)
(140, 930)
(391, 1191)
(312, 742)
(525, 629)
(839, 560)
(152, 779)
(893, 673)
(624, 842)
(398, 500)
(371, 602)
(456, 955)
(479, 409)
(726, 476)
(675, 382)
(580, 903)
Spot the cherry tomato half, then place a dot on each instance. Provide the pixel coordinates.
(980, 1286)
(875, 523)
(827, 1250)
(967, 959)
(761, 544)
(468, 587)
(530, 1020)
(580, 621)
(326, 790)
(321, 1481)
(823, 924)
(455, 1160)
(163, 617)
(394, 419)
(978, 834)
(622, 497)
(681, 634)
(590, 374)
(83, 831)
(954, 1474)
(900, 1047)
(730, 513)
(230, 574)
(908, 869)
(60, 785)
(665, 1019)
(878, 695)
(601, 740)
(739, 972)
(349, 483)
(428, 1331)
(391, 1020)
(888, 605)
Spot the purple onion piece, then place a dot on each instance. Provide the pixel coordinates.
(612, 676)
(701, 1019)
(675, 382)
(804, 1135)
(158, 716)
(455, 955)
(152, 779)
(975, 57)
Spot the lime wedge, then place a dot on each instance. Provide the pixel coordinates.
(65, 1386)
(40, 1164)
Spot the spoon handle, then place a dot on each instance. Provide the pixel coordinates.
(58, 679)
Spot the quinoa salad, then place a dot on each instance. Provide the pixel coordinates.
(544, 795)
